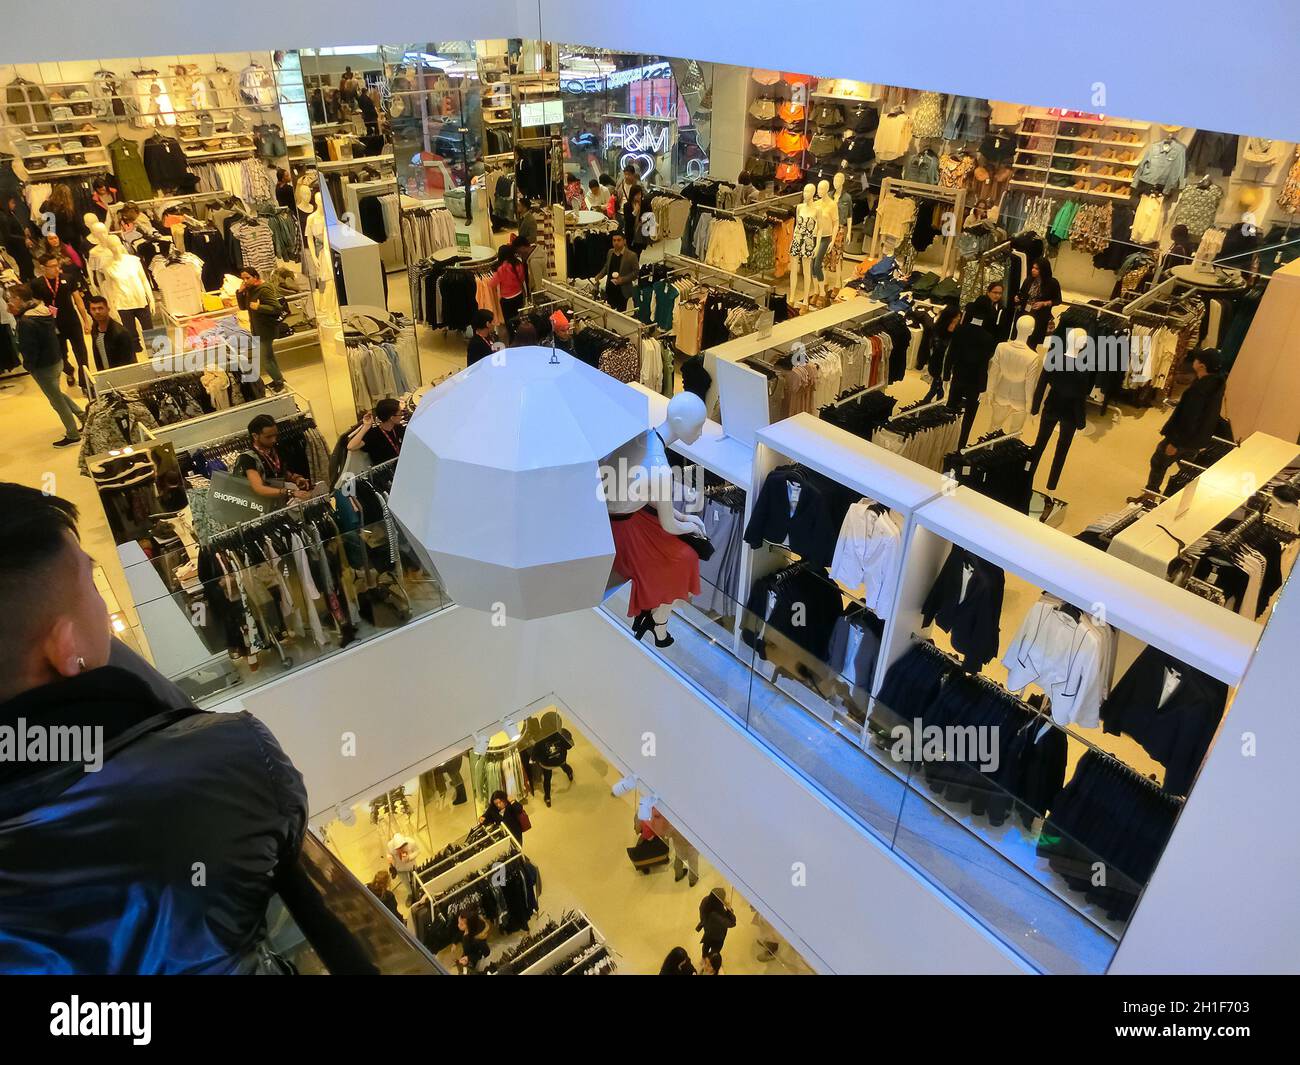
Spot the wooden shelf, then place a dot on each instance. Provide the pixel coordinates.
(37, 176)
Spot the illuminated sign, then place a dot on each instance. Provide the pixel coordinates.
(639, 136)
(617, 80)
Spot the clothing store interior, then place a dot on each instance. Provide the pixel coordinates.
(996, 433)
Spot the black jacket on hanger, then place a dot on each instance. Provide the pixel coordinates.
(972, 621)
(809, 529)
(1178, 734)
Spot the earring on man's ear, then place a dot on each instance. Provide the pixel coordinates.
(81, 664)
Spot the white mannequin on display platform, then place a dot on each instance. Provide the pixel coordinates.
(1013, 375)
(316, 263)
(647, 525)
(126, 286)
(828, 222)
(833, 262)
(100, 256)
(803, 245)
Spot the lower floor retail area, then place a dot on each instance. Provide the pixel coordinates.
(579, 843)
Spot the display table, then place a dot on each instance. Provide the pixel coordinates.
(1218, 278)
(1149, 542)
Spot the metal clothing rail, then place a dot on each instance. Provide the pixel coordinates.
(615, 321)
(703, 272)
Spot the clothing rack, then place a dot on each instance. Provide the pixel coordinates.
(683, 266)
(617, 322)
(917, 191)
(447, 883)
(295, 509)
(997, 437)
(1045, 716)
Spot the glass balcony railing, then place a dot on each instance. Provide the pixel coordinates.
(264, 600)
(951, 816)
(326, 922)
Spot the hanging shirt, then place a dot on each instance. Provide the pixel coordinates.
(867, 556)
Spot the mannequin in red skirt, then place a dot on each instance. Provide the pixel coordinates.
(647, 527)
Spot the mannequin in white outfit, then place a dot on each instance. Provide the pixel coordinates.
(316, 261)
(805, 240)
(126, 287)
(1013, 375)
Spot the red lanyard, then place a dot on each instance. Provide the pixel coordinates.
(272, 461)
(392, 440)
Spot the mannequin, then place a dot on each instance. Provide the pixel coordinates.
(828, 221)
(316, 262)
(646, 525)
(841, 207)
(1013, 375)
(126, 287)
(803, 246)
(99, 257)
(1067, 387)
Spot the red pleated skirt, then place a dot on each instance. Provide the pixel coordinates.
(661, 567)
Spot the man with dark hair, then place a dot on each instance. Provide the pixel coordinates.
(1190, 427)
(59, 288)
(619, 272)
(265, 308)
(379, 434)
(38, 343)
(138, 834)
(264, 467)
(481, 340)
(630, 180)
(114, 344)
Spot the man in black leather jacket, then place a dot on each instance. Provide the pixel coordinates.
(155, 844)
(1189, 429)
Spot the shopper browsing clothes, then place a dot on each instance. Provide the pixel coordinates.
(265, 308)
(716, 919)
(379, 887)
(380, 433)
(503, 810)
(403, 856)
(1190, 427)
(482, 341)
(509, 280)
(474, 948)
(42, 354)
(100, 873)
(263, 466)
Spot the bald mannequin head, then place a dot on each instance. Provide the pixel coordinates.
(56, 624)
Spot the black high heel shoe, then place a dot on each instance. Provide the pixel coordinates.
(642, 623)
(667, 641)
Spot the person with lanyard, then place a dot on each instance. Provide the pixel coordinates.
(114, 344)
(59, 288)
(379, 434)
(263, 467)
(508, 279)
(265, 308)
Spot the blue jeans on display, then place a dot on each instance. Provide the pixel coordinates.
(48, 378)
(823, 243)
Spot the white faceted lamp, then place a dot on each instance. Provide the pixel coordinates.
(499, 480)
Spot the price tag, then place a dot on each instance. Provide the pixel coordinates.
(462, 241)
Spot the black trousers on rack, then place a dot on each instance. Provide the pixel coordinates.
(1052, 417)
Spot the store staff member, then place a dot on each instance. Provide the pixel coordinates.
(620, 268)
(59, 288)
(263, 466)
(114, 344)
(379, 434)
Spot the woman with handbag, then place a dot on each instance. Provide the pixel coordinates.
(503, 810)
